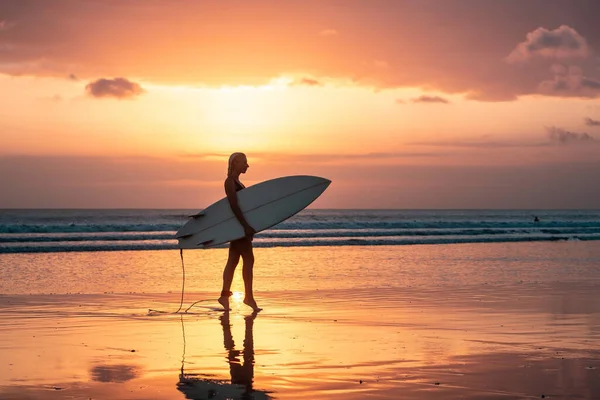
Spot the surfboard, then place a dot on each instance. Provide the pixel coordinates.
(264, 205)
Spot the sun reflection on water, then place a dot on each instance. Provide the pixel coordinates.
(237, 298)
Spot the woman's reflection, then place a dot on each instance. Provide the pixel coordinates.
(241, 373)
(241, 368)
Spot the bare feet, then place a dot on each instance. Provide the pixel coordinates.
(224, 301)
(252, 303)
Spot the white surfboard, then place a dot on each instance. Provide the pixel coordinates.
(263, 205)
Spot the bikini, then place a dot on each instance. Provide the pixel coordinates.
(238, 185)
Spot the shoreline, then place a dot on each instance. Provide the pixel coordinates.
(304, 243)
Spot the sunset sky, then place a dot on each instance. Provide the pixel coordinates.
(402, 104)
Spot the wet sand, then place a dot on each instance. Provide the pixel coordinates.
(480, 342)
(498, 336)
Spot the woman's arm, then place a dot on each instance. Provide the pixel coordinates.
(235, 207)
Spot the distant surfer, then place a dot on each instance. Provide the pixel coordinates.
(238, 164)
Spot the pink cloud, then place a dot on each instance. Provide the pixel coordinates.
(329, 32)
(308, 82)
(381, 64)
(592, 122)
(5, 25)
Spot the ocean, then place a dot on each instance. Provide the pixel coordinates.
(80, 230)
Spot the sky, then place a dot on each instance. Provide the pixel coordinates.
(445, 104)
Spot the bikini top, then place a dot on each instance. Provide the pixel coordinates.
(238, 185)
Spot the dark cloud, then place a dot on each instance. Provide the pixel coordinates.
(561, 43)
(562, 136)
(120, 88)
(73, 77)
(589, 83)
(592, 122)
(430, 99)
(570, 82)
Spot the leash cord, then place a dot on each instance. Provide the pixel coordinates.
(182, 292)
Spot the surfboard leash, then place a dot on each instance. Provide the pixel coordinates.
(182, 282)
(182, 292)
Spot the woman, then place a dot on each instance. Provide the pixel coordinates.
(238, 164)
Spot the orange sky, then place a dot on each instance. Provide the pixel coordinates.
(403, 104)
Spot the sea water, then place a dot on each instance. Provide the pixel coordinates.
(59, 230)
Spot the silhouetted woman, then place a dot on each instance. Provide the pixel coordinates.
(238, 164)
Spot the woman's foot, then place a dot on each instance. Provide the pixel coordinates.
(252, 303)
(224, 300)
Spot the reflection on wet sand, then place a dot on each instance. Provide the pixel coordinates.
(114, 373)
(196, 386)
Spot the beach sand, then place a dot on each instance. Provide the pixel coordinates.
(501, 321)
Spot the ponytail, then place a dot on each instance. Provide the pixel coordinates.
(232, 158)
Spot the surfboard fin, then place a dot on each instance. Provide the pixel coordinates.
(197, 215)
(206, 243)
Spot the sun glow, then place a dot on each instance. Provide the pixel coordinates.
(245, 117)
(237, 298)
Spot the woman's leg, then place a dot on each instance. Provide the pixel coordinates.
(232, 262)
(247, 253)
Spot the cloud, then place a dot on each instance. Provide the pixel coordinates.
(590, 83)
(5, 25)
(114, 373)
(465, 56)
(318, 158)
(570, 82)
(120, 88)
(430, 99)
(73, 77)
(478, 144)
(561, 136)
(381, 64)
(57, 98)
(93, 182)
(308, 82)
(592, 122)
(561, 43)
(329, 32)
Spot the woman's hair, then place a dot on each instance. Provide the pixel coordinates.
(232, 158)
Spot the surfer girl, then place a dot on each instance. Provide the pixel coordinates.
(238, 164)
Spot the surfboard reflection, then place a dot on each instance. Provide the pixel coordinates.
(241, 369)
